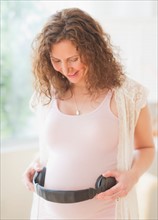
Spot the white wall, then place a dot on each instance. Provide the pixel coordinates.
(15, 199)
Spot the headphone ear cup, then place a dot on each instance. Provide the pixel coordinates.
(105, 183)
(98, 183)
(110, 182)
(40, 176)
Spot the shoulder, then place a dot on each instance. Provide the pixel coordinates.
(133, 91)
(132, 86)
(39, 102)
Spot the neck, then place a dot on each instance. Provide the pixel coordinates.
(80, 90)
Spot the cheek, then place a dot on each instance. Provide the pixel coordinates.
(80, 66)
(56, 66)
(84, 68)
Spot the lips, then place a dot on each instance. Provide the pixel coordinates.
(72, 74)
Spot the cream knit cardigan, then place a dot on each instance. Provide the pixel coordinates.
(130, 99)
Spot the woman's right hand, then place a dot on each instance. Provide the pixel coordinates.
(29, 173)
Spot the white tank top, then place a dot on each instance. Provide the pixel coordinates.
(80, 149)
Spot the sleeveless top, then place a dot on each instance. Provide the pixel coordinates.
(80, 149)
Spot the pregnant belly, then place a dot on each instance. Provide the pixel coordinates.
(69, 175)
(90, 209)
(75, 174)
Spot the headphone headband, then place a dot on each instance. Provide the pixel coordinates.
(61, 196)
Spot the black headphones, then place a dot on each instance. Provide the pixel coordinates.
(104, 183)
(61, 196)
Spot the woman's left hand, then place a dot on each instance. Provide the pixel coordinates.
(125, 181)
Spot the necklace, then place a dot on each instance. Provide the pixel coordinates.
(78, 112)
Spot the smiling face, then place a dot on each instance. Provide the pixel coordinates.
(66, 60)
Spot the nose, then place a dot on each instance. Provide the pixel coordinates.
(65, 68)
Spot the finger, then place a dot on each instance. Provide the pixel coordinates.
(27, 178)
(37, 166)
(111, 194)
(101, 196)
(115, 189)
(28, 184)
(113, 173)
(120, 193)
(30, 187)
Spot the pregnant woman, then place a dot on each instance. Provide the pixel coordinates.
(92, 120)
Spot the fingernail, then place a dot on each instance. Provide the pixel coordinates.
(37, 167)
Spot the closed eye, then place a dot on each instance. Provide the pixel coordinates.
(56, 61)
(73, 59)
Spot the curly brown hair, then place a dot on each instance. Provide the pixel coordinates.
(94, 46)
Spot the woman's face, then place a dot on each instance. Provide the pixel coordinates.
(66, 60)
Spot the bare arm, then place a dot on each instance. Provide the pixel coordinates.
(144, 144)
(143, 157)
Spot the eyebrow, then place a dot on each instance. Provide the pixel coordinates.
(67, 58)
